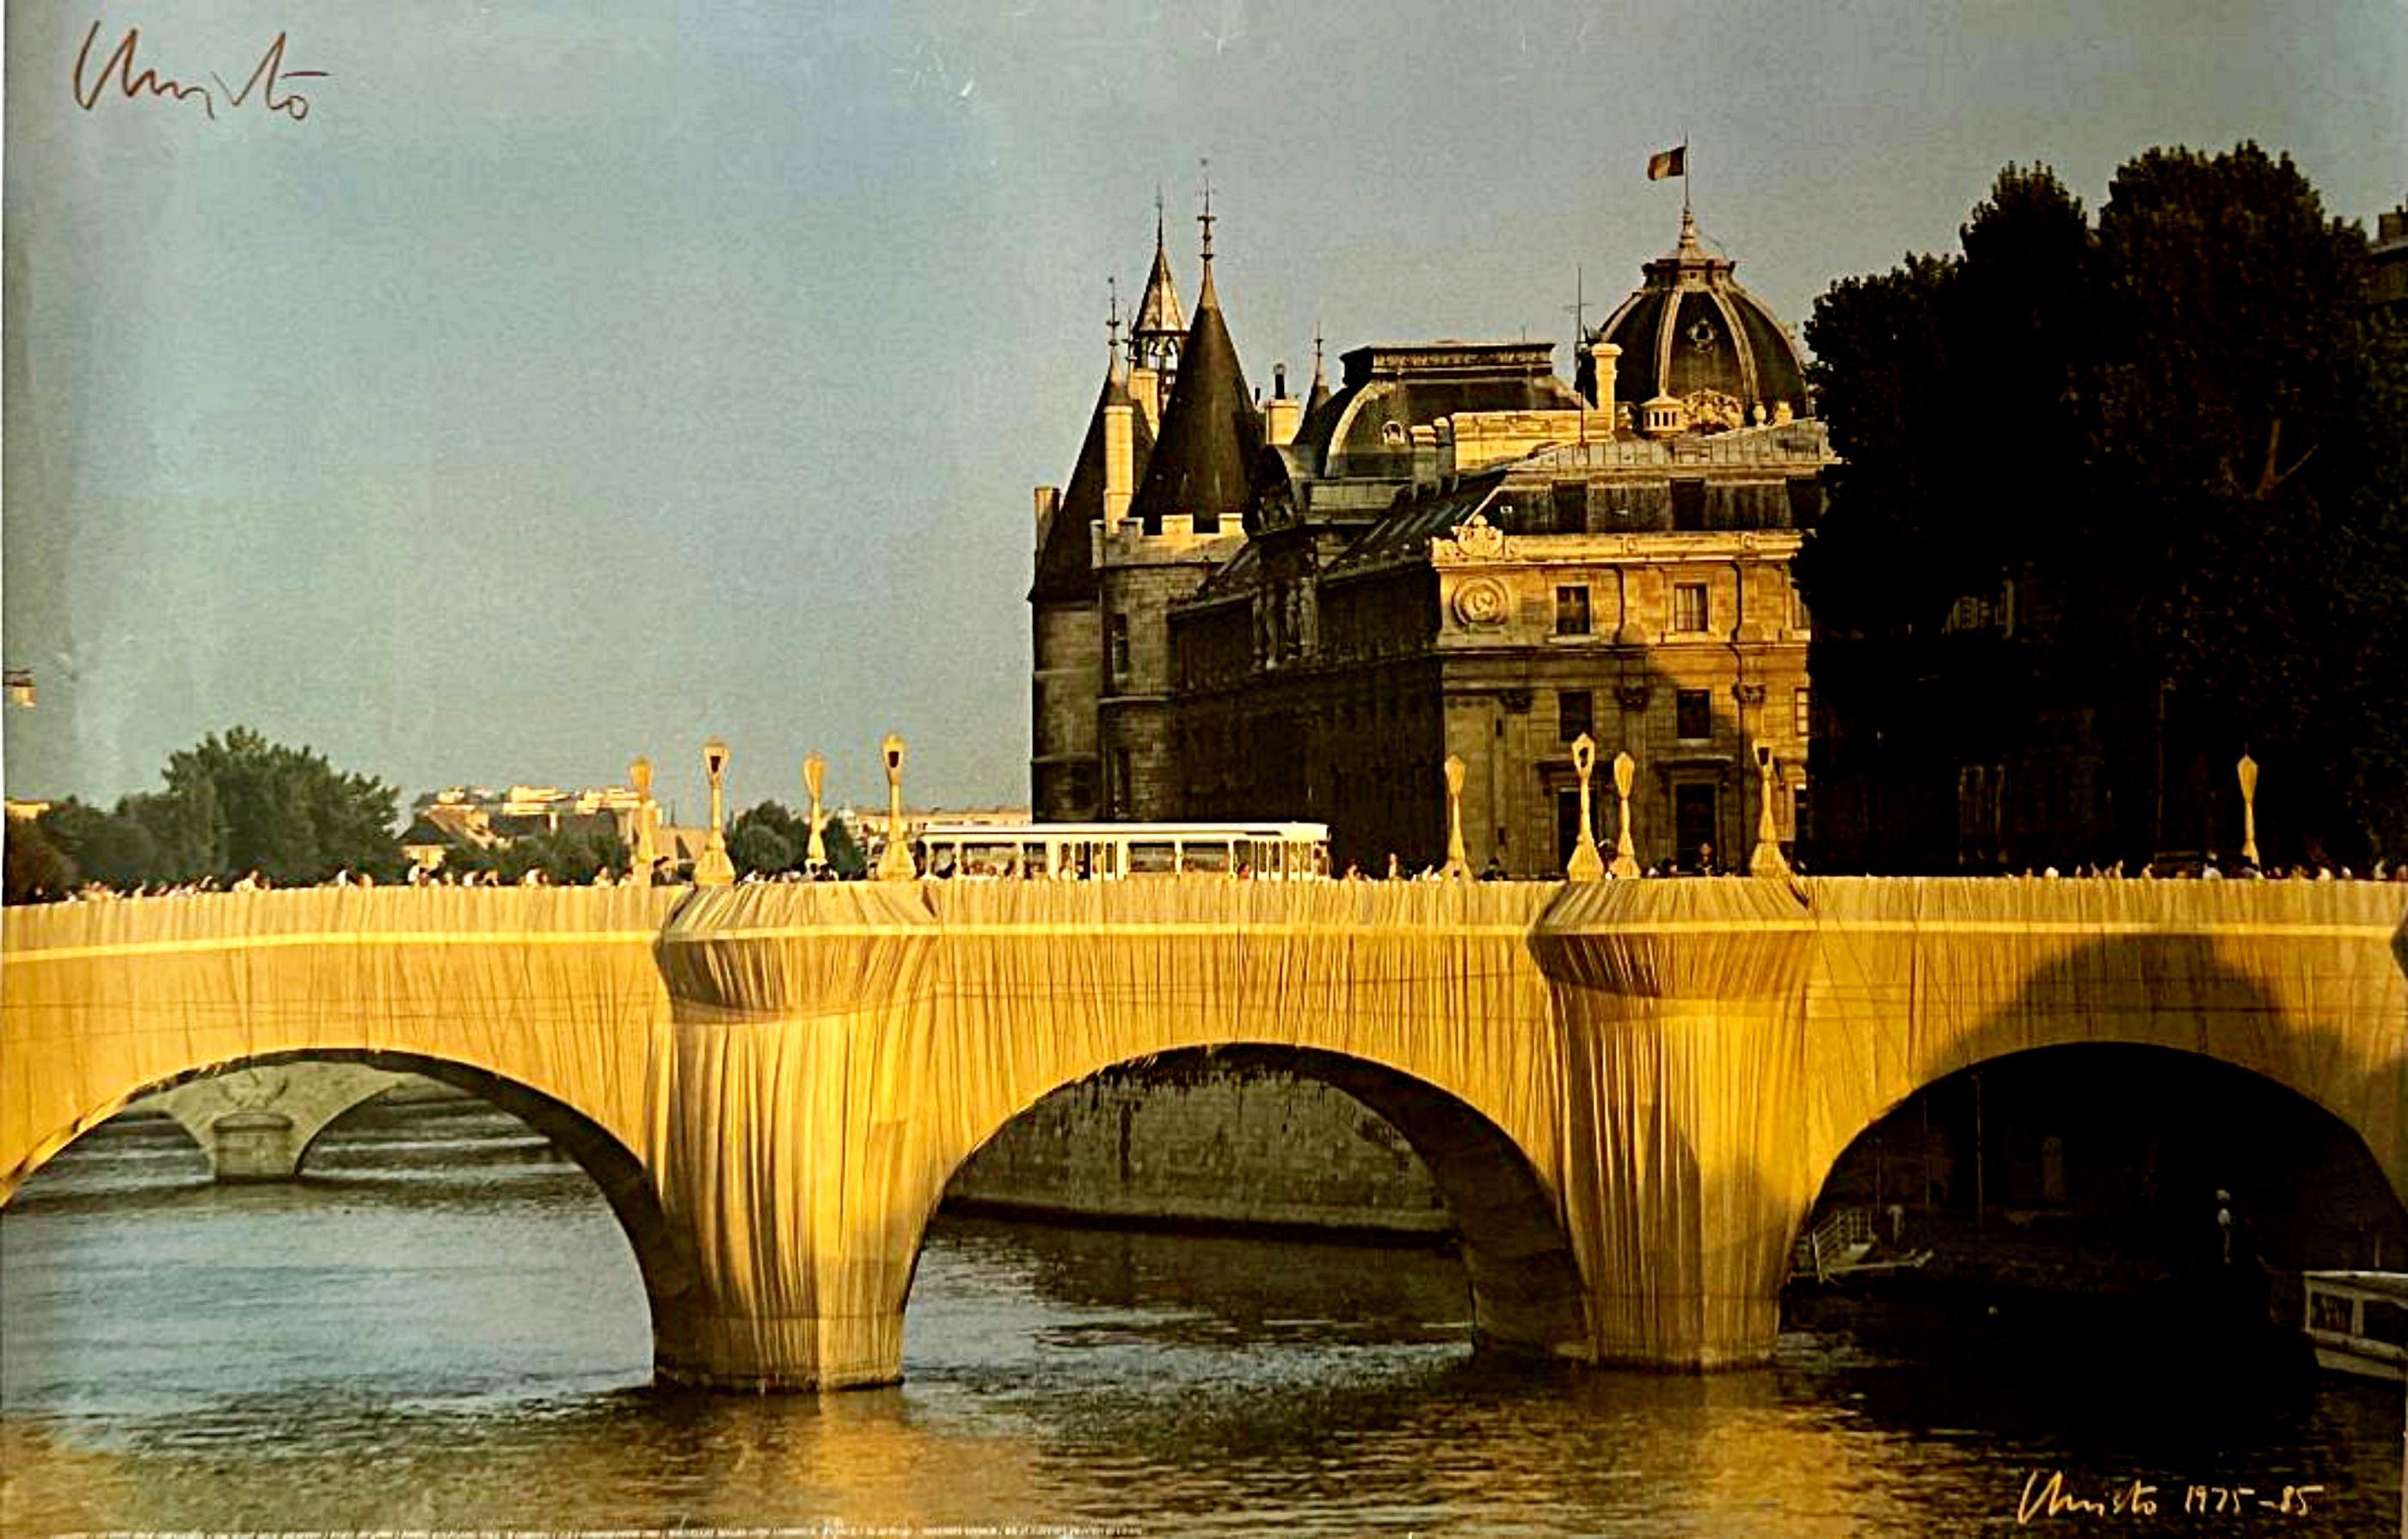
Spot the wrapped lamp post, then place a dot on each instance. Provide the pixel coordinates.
(713, 869)
(894, 862)
(2248, 809)
(1458, 867)
(814, 781)
(644, 848)
(1585, 865)
(1626, 853)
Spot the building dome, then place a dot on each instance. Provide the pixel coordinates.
(1691, 333)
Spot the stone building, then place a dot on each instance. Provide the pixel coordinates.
(2390, 252)
(1301, 611)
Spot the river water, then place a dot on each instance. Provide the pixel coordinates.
(443, 1330)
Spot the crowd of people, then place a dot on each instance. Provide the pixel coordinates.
(664, 875)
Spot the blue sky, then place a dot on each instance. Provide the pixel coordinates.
(576, 380)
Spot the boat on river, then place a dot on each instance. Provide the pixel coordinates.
(2358, 1322)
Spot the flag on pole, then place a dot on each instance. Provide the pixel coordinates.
(1669, 162)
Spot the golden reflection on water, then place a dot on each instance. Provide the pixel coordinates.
(468, 1355)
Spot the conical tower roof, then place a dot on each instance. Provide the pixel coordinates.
(1064, 568)
(1319, 393)
(1159, 318)
(1211, 431)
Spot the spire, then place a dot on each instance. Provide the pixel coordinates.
(1155, 333)
(1320, 391)
(1211, 432)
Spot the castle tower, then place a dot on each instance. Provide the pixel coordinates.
(1158, 331)
(1064, 768)
(1187, 518)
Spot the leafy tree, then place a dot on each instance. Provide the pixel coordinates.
(771, 839)
(286, 812)
(2179, 435)
(233, 805)
(766, 839)
(845, 856)
(38, 871)
(570, 858)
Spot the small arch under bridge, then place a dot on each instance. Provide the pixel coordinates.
(1630, 1092)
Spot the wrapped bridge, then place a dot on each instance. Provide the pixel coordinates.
(1630, 1093)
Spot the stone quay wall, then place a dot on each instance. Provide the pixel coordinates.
(1205, 1147)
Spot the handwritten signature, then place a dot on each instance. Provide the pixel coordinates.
(2051, 1497)
(267, 78)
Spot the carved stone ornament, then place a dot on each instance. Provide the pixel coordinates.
(1749, 695)
(1715, 410)
(1481, 603)
(253, 1088)
(1477, 539)
(1633, 697)
(1515, 701)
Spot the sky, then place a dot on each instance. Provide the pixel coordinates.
(576, 381)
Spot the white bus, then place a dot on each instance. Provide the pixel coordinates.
(1110, 851)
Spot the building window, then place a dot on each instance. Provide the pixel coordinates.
(1571, 609)
(1797, 616)
(1801, 712)
(1119, 790)
(1690, 606)
(1574, 713)
(1689, 506)
(1571, 499)
(1801, 816)
(1693, 715)
(1120, 648)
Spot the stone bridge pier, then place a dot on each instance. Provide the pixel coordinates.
(256, 1124)
(1684, 1044)
(1631, 1093)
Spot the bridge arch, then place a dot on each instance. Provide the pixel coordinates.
(663, 1257)
(2181, 1100)
(1524, 1280)
(2264, 1011)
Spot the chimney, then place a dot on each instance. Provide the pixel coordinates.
(1425, 440)
(1145, 388)
(1048, 502)
(1286, 412)
(1120, 461)
(1601, 359)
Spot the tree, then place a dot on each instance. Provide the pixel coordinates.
(233, 805)
(767, 840)
(2179, 437)
(569, 857)
(286, 812)
(38, 871)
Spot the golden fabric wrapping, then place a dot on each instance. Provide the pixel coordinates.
(1630, 1093)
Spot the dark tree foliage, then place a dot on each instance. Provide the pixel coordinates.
(2180, 432)
(570, 858)
(38, 871)
(233, 805)
(771, 839)
(767, 840)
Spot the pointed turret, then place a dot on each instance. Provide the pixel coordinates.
(1160, 327)
(1320, 391)
(1065, 567)
(1211, 431)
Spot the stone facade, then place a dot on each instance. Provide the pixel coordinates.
(1459, 553)
(1206, 1147)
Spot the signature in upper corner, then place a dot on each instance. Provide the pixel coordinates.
(134, 81)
